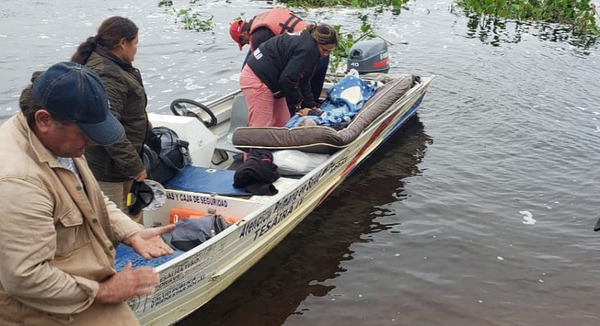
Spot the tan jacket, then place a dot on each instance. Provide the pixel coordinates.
(57, 239)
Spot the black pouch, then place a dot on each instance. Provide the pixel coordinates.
(140, 195)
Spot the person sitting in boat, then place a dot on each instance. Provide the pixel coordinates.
(344, 100)
(276, 78)
(269, 24)
(110, 54)
(59, 232)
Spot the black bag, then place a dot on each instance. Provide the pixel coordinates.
(164, 154)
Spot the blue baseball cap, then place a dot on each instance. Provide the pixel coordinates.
(70, 91)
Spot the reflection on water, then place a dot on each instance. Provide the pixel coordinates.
(563, 34)
(496, 31)
(273, 289)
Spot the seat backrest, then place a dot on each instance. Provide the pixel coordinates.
(239, 113)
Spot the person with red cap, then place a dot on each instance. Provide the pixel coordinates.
(269, 24)
(264, 26)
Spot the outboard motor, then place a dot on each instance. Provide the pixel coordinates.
(369, 56)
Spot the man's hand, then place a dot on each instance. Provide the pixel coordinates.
(148, 242)
(303, 112)
(126, 284)
(307, 111)
(141, 176)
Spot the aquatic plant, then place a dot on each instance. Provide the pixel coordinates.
(347, 40)
(194, 20)
(395, 5)
(191, 19)
(578, 14)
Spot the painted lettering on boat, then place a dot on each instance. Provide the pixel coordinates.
(198, 199)
(178, 271)
(176, 280)
(175, 291)
(260, 225)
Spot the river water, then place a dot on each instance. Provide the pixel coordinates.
(479, 212)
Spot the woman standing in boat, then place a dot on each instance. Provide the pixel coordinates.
(110, 54)
(276, 78)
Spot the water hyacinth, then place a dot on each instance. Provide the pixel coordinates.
(395, 4)
(579, 14)
(195, 20)
(191, 19)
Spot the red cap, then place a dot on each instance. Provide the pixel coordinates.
(235, 30)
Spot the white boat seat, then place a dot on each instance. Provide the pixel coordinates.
(239, 118)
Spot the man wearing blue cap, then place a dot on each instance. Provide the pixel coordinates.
(58, 232)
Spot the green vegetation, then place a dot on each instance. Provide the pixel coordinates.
(346, 41)
(578, 14)
(191, 19)
(194, 20)
(395, 5)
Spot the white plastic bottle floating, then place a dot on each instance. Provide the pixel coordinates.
(160, 195)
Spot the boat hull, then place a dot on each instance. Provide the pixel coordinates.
(194, 278)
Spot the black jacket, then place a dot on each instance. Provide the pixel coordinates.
(286, 63)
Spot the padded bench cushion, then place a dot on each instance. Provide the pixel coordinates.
(320, 139)
(204, 180)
